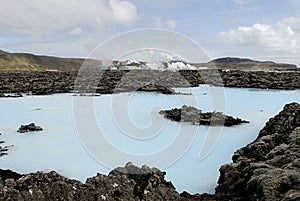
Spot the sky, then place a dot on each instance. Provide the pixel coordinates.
(256, 29)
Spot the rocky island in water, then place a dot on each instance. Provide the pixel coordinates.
(195, 116)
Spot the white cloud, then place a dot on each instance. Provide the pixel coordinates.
(291, 21)
(46, 18)
(124, 12)
(168, 24)
(279, 37)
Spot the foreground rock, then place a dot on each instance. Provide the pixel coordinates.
(127, 183)
(268, 168)
(196, 116)
(28, 128)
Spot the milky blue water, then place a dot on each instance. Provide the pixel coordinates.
(129, 123)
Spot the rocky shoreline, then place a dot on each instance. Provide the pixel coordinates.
(197, 117)
(267, 169)
(108, 82)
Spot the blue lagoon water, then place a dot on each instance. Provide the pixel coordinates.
(130, 122)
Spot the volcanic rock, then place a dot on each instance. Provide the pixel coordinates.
(269, 168)
(28, 128)
(196, 116)
(108, 82)
(126, 183)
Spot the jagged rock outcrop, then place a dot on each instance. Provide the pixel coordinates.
(196, 116)
(126, 183)
(267, 169)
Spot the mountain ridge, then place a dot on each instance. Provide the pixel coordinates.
(32, 62)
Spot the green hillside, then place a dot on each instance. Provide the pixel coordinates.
(22, 61)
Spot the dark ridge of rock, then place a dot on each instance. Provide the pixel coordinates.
(28, 128)
(245, 79)
(267, 169)
(127, 183)
(196, 116)
(108, 82)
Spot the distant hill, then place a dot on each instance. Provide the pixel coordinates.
(24, 61)
(231, 60)
(248, 64)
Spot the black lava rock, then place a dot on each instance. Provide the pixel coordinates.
(269, 167)
(28, 128)
(196, 116)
